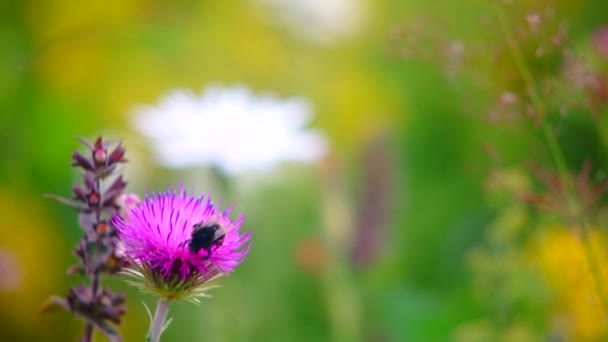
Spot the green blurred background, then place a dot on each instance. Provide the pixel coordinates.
(408, 230)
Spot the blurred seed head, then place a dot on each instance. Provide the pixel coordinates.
(571, 204)
(540, 34)
(534, 21)
(506, 109)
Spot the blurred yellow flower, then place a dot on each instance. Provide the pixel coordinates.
(577, 305)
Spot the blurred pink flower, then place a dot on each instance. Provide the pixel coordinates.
(600, 41)
(12, 274)
(125, 203)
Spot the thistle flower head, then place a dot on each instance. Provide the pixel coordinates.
(160, 236)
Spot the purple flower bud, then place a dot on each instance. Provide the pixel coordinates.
(117, 188)
(94, 198)
(100, 155)
(97, 309)
(81, 161)
(103, 228)
(118, 155)
(79, 193)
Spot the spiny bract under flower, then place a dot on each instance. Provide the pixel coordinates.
(156, 234)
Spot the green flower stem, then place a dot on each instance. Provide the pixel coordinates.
(343, 299)
(593, 264)
(556, 154)
(158, 322)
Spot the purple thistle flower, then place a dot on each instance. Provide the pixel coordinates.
(157, 234)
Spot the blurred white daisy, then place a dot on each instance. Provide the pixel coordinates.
(319, 20)
(231, 128)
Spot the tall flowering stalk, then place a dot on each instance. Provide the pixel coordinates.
(572, 196)
(179, 246)
(96, 203)
(533, 71)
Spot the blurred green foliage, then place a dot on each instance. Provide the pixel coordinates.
(457, 261)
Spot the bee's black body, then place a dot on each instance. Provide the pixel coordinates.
(205, 236)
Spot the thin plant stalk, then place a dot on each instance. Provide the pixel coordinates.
(593, 261)
(95, 279)
(88, 332)
(556, 154)
(341, 292)
(158, 322)
(88, 328)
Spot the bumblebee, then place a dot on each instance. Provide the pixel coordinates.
(205, 236)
